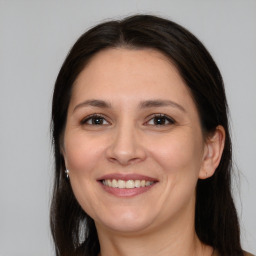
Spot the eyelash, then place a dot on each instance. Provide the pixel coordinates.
(163, 117)
(102, 119)
(94, 116)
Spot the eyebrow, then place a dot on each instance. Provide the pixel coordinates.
(161, 103)
(143, 104)
(93, 103)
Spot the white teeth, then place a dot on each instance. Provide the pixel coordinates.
(129, 184)
(114, 184)
(120, 184)
(147, 183)
(126, 184)
(137, 183)
(143, 183)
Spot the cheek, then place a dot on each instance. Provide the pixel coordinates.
(179, 153)
(82, 158)
(81, 153)
(180, 161)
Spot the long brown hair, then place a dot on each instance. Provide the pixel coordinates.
(216, 220)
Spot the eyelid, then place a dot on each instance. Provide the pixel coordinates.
(95, 115)
(168, 118)
(149, 118)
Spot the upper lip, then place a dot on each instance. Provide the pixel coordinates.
(121, 176)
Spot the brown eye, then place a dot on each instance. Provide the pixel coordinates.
(94, 120)
(160, 120)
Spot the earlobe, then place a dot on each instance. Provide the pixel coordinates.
(214, 146)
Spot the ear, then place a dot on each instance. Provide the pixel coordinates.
(213, 149)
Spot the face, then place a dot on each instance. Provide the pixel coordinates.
(133, 142)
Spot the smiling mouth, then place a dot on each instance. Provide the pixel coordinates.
(127, 184)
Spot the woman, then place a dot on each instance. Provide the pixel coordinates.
(142, 145)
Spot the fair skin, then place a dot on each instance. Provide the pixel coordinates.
(132, 120)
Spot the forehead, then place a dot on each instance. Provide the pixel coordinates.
(130, 74)
(124, 60)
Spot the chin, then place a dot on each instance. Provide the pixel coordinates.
(126, 222)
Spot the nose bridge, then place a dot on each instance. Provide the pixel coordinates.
(125, 145)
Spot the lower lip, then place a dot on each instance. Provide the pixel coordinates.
(126, 192)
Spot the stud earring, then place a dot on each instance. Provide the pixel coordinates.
(67, 173)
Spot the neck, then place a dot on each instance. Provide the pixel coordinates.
(139, 246)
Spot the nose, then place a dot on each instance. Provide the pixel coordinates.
(126, 146)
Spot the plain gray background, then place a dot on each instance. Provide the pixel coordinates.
(35, 37)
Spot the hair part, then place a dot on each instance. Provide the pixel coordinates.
(216, 220)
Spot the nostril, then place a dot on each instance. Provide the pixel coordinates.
(125, 159)
(125, 148)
